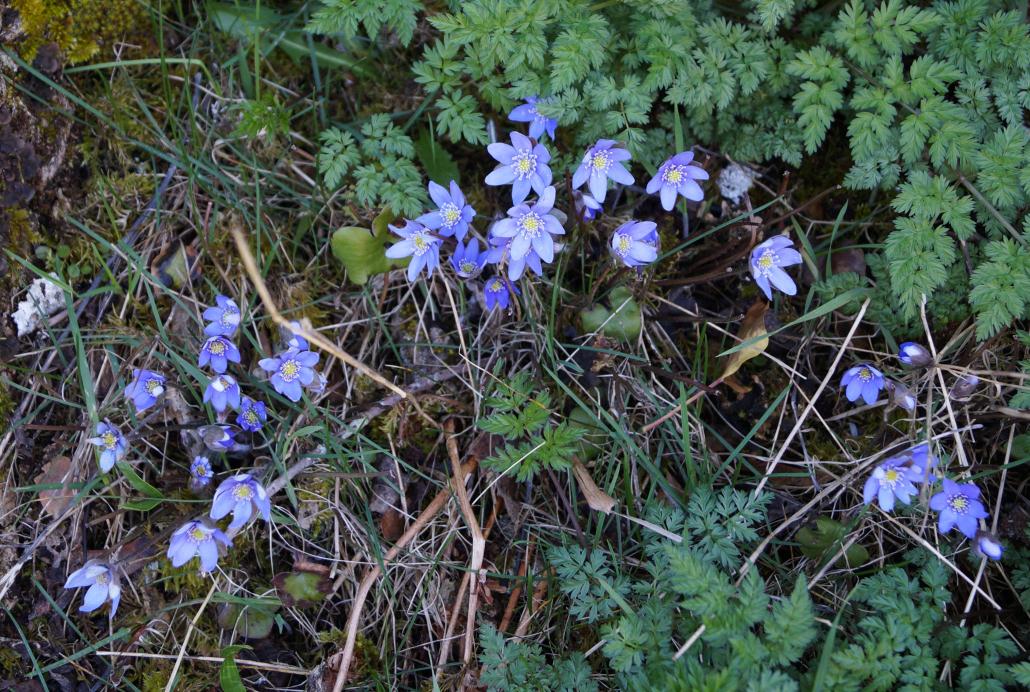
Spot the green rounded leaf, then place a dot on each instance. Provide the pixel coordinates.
(363, 252)
(622, 320)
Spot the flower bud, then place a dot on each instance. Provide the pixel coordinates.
(964, 387)
(901, 396)
(989, 546)
(911, 353)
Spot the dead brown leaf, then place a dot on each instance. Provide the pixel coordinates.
(598, 500)
(57, 471)
(752, 326)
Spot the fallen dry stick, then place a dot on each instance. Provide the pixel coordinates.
(312, 336)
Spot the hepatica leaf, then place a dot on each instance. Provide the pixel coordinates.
(621, 321)
(363, 252)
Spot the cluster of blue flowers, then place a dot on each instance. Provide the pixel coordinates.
(529, 235)
(240, 494)
(958, 504)
(865, 381)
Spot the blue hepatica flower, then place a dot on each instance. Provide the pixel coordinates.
(989, 546)
(497, 293)
(523, 164)
(601, 162)
(218, 438)
(197, 538)
(222, 392)
(894, 478)
(864, 381)
(111, 445)
(586, 206)
(677, 177)
(102, 582)
(145, 389)
(240, 494)
(294, 340)
(530, 227)
(252, 414)
(291, 371)
(911, 353)
(501, 248)
(417, 243)
(218, 351)
(224, 318)
(767, 262)
(538, 123)
(453, 215)
(467, 260)
(959, 505)
(200, 471)
(629, 243)
(923, 463)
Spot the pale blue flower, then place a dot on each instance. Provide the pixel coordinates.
(222, 392)
(501, 249)
(145, 389)
(538, 123)
(291, 372)
(530, 227)
(959, 505)
(523, 164)
(197, 538)
(252, 414)
(863, 380)
(102, 582)
(224, 318)
(676, 177)
(467, 260)
(111, 443)
(767, 262)
(218, 351)
(894, 478)
(629, 243)
(200, 471)
(586, 206)
(419, 244)
(601, 162)
(497, 293)
(240, 494)
(453, 215)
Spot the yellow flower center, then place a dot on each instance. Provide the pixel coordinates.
(216, 347)
(198, 534)
(200, 470)
(152, 386)
(766, 260)
(450, 214)
(102, 578)
(865, 375)
(531, 224)
(468, 267)
(250, 417)
(959, 503)
(623, 243)
(289, 370)
(674, 176)
(242, 492)
(891, 476)
(109, 440)
(496, 285)
(600, 161)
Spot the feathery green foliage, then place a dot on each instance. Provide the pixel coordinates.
(381, 164)
(523, 418)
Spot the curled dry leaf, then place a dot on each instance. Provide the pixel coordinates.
(598, 500)
(752, 327)
(57, 471)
